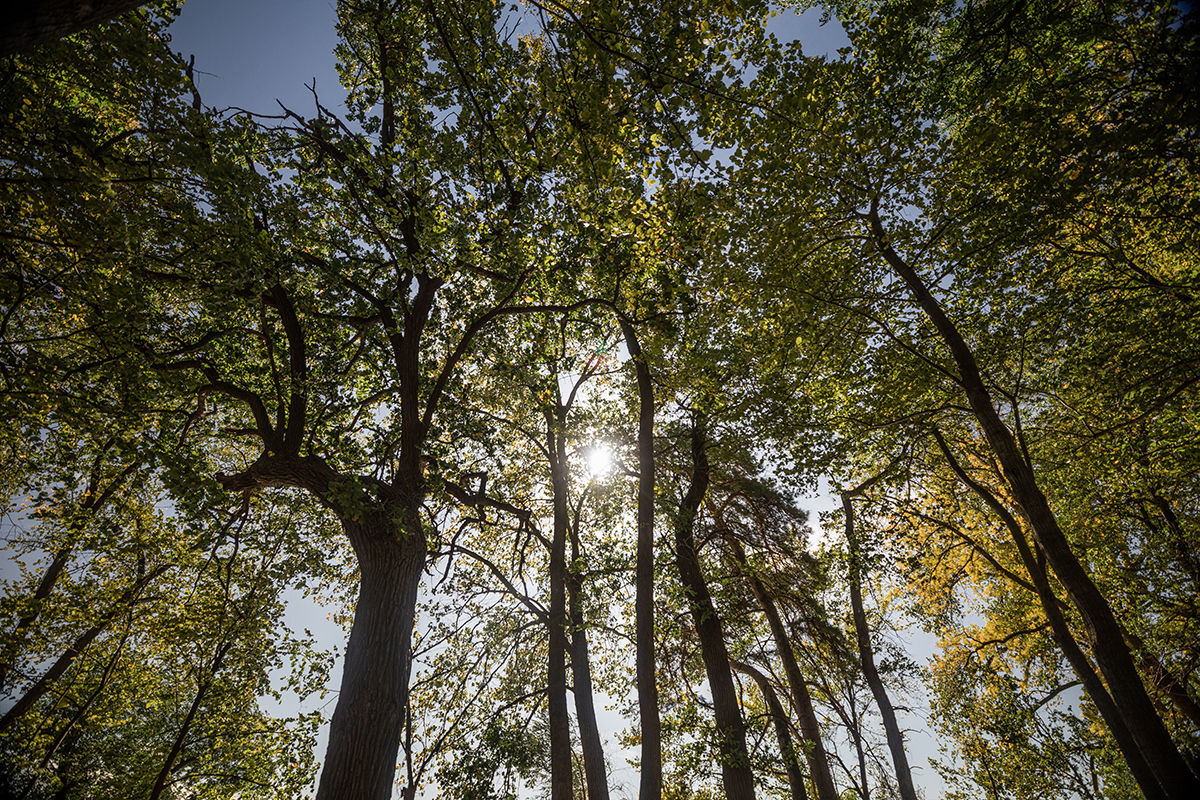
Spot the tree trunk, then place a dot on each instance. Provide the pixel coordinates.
(94, 500)
(783, 734)
(734, 757)
(27, 25)
(1162, 677)
(594, 769)
(368, 721)
(1062, 633)
(80, 712)
(45, 586)
(647, 685)
(818, 760)
(81, 643)
(1104, 634)
(866, 654)
(385, 529)
(561, 777)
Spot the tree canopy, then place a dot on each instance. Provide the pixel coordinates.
(521, 360)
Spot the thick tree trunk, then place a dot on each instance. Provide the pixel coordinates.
(1104, 634)
(594, 769)
(367, 724)
(801, 700)
(783, 734)
(734, 756)
(29, 24)
(647, 685)
(561, 777)
(866, 655)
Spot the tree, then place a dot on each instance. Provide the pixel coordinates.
(36, 23)
(353, 321)
(730, 744)
(892, 163)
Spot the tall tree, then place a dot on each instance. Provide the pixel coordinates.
(730, 743)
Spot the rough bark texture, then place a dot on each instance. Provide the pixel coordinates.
(29, 24)
(647, 685)
(364, 734)
(1104, 634)
(783, 734)
(866, 655)
(818, 760)
(384, 528)
(736, 775)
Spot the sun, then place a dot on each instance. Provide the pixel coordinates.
(599, 461)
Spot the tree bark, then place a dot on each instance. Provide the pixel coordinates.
(1062, 633)
(647, 685)
(368, 721)
(783, 734)
(734, 756)
(561, 769)
(27, 25)
(1104, 634)
(594, 768)
(866, 655)
(1163, 678)
(801, 700)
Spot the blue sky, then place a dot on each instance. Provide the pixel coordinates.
(250, 53)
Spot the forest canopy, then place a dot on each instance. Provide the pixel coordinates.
(519, 354)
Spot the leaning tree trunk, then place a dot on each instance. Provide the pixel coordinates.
(561, 779)
(1104, 633)
(95, 498)
(810, 729)
(594, 769)
(647, 685)
(1062, 634)
(783, 734)
(78, 647)
(866, 655)
(367, 724)
(736, 775)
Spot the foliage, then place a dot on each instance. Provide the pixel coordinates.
(240, 356)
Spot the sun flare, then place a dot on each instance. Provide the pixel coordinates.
(599, 461)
